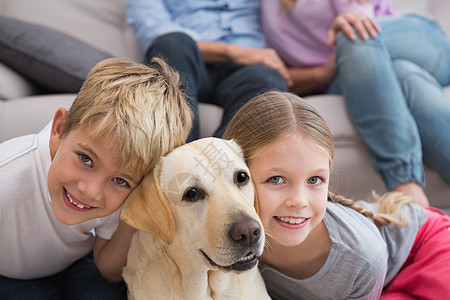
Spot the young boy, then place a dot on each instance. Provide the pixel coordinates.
(61, 189)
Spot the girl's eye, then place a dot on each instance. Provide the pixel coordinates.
(85, 159)
(315, 180)
(276, 179)
(120, 181)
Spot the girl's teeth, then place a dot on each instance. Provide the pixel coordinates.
(292, 221)
(74, 203)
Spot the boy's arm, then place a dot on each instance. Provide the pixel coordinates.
(111, 255)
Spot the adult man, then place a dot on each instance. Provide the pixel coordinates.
(216, 45)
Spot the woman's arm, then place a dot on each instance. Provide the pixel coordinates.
(310, 79)
(349, 22)
(111, 255)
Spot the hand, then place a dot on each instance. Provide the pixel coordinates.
(364, 25)
(243, 56)
(307, 80)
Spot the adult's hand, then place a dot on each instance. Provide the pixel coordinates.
(350, 21)
(215, 52)
(306, 80)
(244, 56)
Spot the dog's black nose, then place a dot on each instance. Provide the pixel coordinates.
(246, 231)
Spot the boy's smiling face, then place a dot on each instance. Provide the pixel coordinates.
(83, 180)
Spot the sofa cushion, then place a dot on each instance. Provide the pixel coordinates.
(99, 23)
(47, 57)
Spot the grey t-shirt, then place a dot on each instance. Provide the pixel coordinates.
(357, 264)
(399, 240)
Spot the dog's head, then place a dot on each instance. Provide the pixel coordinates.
(201, 195)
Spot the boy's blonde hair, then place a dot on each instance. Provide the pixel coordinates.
(141, 108)
(267, 117)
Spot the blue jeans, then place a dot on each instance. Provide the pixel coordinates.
(81, 281)
(392, 86)
(224, 84)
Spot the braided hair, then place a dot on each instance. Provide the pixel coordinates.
(388, 206)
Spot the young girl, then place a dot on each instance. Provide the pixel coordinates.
(323, 246)
(391, 70)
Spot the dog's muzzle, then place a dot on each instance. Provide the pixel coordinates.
(248, 262)
(245, 236)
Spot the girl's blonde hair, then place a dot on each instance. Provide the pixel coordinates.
(267, 117)
(141, 108)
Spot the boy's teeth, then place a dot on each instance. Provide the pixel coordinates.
(292, 221)
(74, 203)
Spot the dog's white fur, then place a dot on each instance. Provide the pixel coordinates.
(178, 226)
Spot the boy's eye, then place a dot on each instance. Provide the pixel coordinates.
(85, 159)
(315, 180)
(120, 181)
(276, 179)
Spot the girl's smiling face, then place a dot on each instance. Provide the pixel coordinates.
(291, 179)
(83, 181)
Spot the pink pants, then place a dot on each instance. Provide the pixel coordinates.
(426, 272)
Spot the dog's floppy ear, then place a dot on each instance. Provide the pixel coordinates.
(146, 208)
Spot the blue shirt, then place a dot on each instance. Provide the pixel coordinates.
(228, 21)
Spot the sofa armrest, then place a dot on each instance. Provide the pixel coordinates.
(13, 85)
(27, 115)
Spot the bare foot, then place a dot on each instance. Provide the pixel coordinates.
(415, 191)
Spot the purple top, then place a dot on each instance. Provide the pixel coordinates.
(299, 35)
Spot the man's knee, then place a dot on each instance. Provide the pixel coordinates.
(172, 45)
(173, 40)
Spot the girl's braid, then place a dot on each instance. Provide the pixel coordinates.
(387, 208)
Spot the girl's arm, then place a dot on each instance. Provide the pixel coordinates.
(111, 255)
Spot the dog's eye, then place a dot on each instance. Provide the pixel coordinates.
(241, 178)
(193, 194)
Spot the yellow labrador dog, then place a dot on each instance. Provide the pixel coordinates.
(199, 236)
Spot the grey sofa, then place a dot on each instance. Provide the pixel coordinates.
(102, 24)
